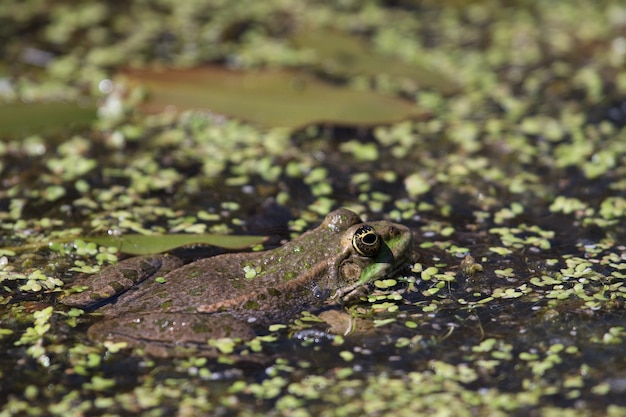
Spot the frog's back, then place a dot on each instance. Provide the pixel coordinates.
(226, 282)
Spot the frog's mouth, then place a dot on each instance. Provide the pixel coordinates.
(350, 294)
(385, 264)
(355, 291)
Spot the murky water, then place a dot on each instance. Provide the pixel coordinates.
(521, 167)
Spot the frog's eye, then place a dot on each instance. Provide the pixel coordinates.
(366, 242)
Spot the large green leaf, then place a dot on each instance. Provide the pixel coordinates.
(44, 118)
(339, 53)
(277, 98)
(146, 244)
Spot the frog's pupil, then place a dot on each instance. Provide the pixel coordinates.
(365, 241)
(369, 239)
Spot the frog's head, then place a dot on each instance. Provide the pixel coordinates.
(374, 250)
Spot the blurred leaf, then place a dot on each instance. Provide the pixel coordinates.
(145, 244)
(276, 98)
(342, 54)
(44, 118)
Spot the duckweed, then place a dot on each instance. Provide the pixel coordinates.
(518, 162)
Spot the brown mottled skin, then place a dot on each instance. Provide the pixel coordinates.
(212, 298)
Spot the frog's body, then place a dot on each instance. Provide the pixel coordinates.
(226, 295)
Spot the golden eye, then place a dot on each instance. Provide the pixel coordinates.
(366, 242)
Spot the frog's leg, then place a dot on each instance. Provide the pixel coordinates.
(116, 279)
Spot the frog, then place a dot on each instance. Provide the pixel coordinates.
(157, 301)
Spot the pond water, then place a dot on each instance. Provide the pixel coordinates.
(512, 181)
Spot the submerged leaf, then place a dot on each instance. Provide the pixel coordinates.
(44, 118)
(342, 54)
(146, 244)
(277, 98)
